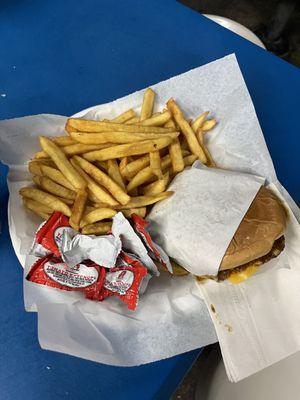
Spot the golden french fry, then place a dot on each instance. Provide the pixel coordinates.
(102, 140)
(171, 124)
(78, 209)
(210, 161)
(102, 178)
(186, 130)
(97, 215)
(209, 124)
(123, 162)
(199, 121)
(99, 228)
(132, 120)
(52, 187)
(34, 206)
(158, 186)
(35, 168)
(40, 154)
(145, 174)
(95, 191)
(148, 103)
(125, 116)
(189, 160)
(142, 201)
(62, 163)
(129, 149)
(69, 202)
(114, 172)
(47, 199)
(63, 140)
(155, 164)
(160, 119)
(79, 148)
(176, 156)
(102, 165)
(138, 211)
(56, 176)
(132, 168)
(83, 125)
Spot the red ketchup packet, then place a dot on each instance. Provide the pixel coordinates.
(87, 277)
(155, 251)
(125, 280)
(48, 237)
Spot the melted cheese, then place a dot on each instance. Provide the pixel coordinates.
(241, 276)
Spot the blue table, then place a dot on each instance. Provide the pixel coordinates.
(62, 56)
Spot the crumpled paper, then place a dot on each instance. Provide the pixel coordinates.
(196, 225)
(172, 309)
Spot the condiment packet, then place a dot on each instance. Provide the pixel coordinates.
(49, 235)
(156, 252)
(125, 280)
(86, 277)
(131, 242)
(103, 250)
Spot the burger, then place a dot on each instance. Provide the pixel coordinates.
(258, 239)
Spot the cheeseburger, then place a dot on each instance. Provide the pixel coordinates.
(258, 239)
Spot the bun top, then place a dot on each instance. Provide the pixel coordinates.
(263, 223)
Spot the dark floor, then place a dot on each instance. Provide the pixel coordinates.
(255, 15)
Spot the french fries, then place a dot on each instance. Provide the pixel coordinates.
(105, 166)
(83, 125)
(97, 215)
(176, 156)
(38, 208)
(98, 228)
(101, 177)
(96, 192)
(199, 121)
(108, 139)
(186, 130)
(55, 175)
(129, 149)
(148, 103)
(125, 116)
(155, 164)
(158, 186)
(52, 187)
(142, 201)
(47, 199)
(114, 172)
(78, 209)
(62, 163)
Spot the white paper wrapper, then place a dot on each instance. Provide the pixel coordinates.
(196, 225)
(171, 317)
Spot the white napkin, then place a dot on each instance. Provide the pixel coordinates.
(196, 225)
(258, 321)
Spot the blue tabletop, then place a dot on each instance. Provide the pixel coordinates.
(62, 56)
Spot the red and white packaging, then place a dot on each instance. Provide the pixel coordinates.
(48, 237)
(155, 251)
(87, 277)
(125, 280)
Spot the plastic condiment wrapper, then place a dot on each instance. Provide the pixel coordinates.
(131, 242)
(155, 250)
(103, 250)
(171, 307)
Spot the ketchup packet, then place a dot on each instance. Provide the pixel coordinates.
(125, 280)
(155, 251)
(49, 235)
(87, 277)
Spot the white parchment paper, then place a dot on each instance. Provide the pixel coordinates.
(172, 317)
